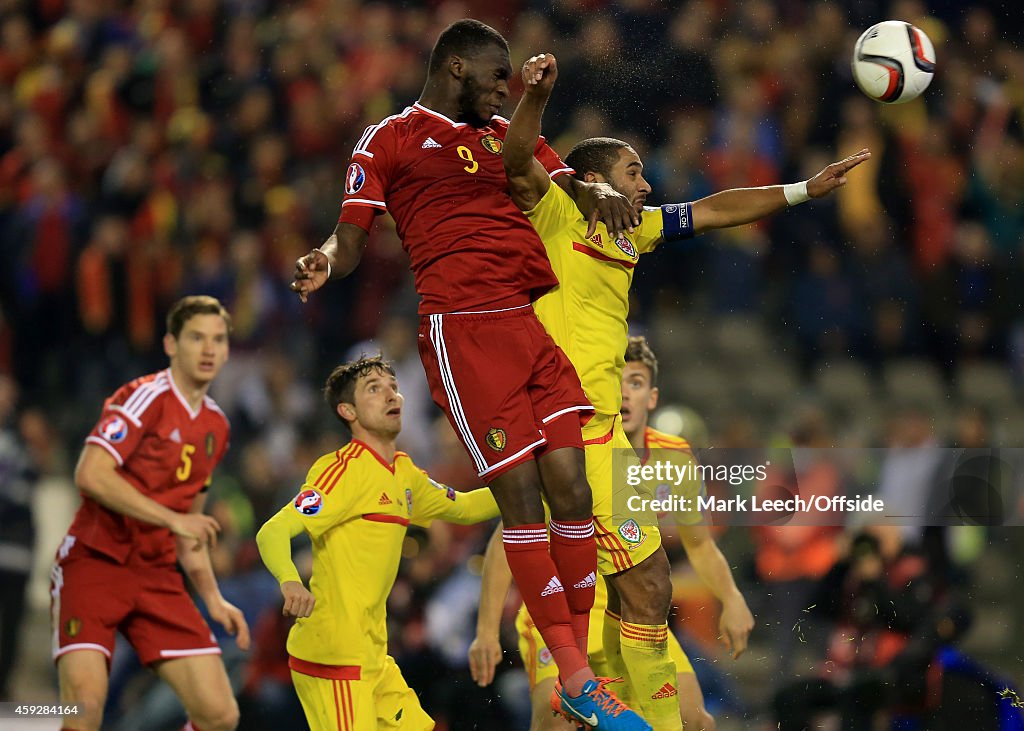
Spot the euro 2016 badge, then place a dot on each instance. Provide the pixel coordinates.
(114, 429)
(309, 502)
(632, 534)
(408, 501)
(354, 178)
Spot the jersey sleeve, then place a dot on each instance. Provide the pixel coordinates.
(649, 235)
(369, 175)
(274, 541)
(432, 500)
(127, 416)
(325, 500)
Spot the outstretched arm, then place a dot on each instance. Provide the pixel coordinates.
(745, 205)
(336, 258)
(485, 651)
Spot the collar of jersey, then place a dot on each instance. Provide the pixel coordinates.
(426, 110)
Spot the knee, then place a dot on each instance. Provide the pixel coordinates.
(90, 699)
(646, 590)
(224, 717)
(567, 490)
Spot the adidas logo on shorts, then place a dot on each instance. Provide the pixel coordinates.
(554, 586)
(589, 581)
(665, 691)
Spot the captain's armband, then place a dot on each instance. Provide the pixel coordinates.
(677, 221)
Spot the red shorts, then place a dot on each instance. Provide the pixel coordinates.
(93, 597)
(504, 385)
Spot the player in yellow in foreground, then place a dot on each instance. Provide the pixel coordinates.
(639, 396)
(586, 316)
(356, 505)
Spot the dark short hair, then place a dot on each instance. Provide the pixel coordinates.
(188, 307)
(341, 384)
(595, 155)
(464, 38)
(638, 350)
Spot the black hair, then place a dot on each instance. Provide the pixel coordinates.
(595, 155)
(464, 38)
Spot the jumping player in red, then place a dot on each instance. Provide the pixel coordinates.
(509, 392)
(143, 475)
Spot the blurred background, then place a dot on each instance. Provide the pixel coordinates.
(155, 148)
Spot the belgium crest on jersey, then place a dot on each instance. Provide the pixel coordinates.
(496, 439)
(491, 144)
(210, 443)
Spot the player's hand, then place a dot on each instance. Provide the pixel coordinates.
(311, 273)
(484, 655)
(539, 74)
(298, 600)
(200, 528)
(834, 176)
(735, 625)
(231, 618)
(601, 202)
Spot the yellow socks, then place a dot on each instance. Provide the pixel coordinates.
(652, 673)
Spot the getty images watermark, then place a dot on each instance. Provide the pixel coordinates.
(840, 487)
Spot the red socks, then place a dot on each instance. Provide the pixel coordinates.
(526, 548)
(574, 553)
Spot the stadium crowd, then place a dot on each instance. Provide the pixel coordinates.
(151, 149)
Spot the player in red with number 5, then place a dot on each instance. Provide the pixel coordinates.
(143, 475)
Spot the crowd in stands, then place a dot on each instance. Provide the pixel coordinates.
(155, 148)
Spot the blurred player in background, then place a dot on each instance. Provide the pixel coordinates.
(356, 505)
(586, 315)
(510, 394)
(143, 475)
(639, 396)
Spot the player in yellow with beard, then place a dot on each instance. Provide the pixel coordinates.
(355, 505)
(586, 315)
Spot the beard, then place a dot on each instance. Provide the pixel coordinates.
(469, 95)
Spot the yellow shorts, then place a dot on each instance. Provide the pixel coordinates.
(376, 700)
(537, 658)
(623, 542)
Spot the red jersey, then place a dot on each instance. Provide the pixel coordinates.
(165, 450)
(443, 182)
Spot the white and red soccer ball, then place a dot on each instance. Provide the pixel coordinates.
(893, 62)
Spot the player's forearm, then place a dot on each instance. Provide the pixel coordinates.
(274, 541)
(712, 568)
(344, 249)
(737, 207)
(199, 570)
(522, 135)
(494, 585)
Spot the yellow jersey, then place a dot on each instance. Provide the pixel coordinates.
(356, 508)
(679, 452)
(586, 313)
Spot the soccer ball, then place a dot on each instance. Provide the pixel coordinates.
(893, 62)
